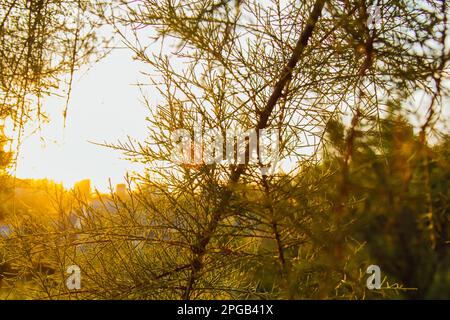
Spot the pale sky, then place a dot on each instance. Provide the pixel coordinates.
(104, 106)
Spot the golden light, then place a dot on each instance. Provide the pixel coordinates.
(104, 107)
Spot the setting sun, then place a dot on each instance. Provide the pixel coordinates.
(104, 107)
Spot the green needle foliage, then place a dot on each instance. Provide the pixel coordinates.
(361, 182)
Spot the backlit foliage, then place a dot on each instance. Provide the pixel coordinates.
(364, 178)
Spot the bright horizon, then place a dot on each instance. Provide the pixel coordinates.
(105, 106)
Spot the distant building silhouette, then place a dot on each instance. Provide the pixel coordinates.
(83, 189)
